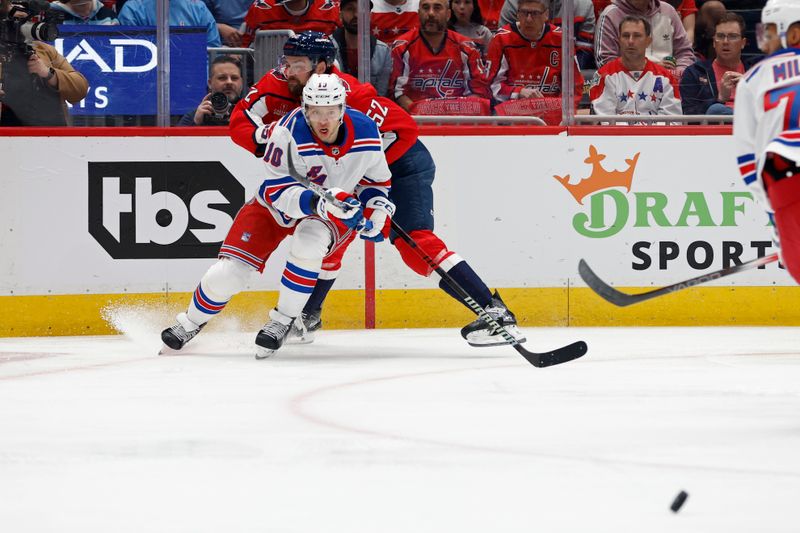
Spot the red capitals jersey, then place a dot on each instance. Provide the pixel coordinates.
(516, 62)
(270, 99)
(419, 72)
(490, 11)
(390, 22)
(322, 15)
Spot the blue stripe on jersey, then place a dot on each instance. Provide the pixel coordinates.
(307, 153)
(364, 149)
(752, 72)
(746, 158)
(750, 178)
(787, 143)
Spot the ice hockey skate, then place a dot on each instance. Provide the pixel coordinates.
(480, 333)
(273, 334)
(304, 328)
(175, 337)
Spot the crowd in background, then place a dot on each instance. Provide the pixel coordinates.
(484, 57)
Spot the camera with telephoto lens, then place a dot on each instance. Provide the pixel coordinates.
(221, 110)
(27, 21)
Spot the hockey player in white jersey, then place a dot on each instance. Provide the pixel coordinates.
(335, 147)
(766, 127)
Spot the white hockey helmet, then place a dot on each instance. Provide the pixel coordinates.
(782, 13)
(324, 90)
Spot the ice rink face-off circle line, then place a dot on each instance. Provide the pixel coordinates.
(299, 405)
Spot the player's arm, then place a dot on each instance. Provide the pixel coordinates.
(745, 127)
(280, 189)
(247, 128)
(498, 73)
(399, 79)
(373, 193)
(477, 69)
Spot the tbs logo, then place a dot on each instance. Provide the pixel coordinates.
(162, 210)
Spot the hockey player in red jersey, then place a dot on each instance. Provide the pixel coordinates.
(410, 163)
(433, 62)
(296, 15)
(525, 65)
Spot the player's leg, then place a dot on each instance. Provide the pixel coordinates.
(412, 193)
(313, 240)
(253, 236)
(781, 176)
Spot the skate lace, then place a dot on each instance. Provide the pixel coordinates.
(179, 331)
(275, 329)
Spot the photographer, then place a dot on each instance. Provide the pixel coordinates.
(35, 80)
(225, 89)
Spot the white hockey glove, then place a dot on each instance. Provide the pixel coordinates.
(379, 211)
(348, 213)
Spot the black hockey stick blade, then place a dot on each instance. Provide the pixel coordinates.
(564, 354)
(621, 299)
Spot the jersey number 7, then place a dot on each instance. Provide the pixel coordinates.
(791, 116)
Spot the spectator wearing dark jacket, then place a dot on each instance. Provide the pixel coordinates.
(708, 87)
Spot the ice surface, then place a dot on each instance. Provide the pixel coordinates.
(401, 431)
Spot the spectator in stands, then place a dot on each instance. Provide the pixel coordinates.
(295, 15)
(669, 46)
(225, 78)
(229, 15)
(181, 13)
(466, 19)
(633, 84)
(705, 26)
(85, 12)
(35, 88)
(584, 25)
(709, 86)
(392, 18)
(433, 62)
(346, 41)
(525, 65)
(687, 11)
(490, 13)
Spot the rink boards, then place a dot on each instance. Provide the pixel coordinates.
(92, 223)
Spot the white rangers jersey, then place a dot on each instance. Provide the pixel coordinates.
(357, 165)
(767, 116)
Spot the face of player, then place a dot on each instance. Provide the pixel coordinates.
(226, 78)
(633, 41)
(462, 9)
(297, 70)
(433, 16)
(324, 121)
(531, 17)
(349, 14)
(728, 42)
(768, 39)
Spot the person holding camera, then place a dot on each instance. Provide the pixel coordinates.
(35, 80)
(225, 89)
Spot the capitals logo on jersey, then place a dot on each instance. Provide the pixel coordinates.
(446, 82)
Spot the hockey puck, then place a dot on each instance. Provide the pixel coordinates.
(679, 500)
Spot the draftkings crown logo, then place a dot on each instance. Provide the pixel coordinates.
(600, 178)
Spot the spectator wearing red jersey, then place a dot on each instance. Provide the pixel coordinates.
(525, 65)
(466, 19)
(296, 15)
(433, 62)
(583, 26)
(632, 84)
(392, 18)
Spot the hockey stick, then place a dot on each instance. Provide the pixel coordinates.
(540, 360)
(621, 299)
